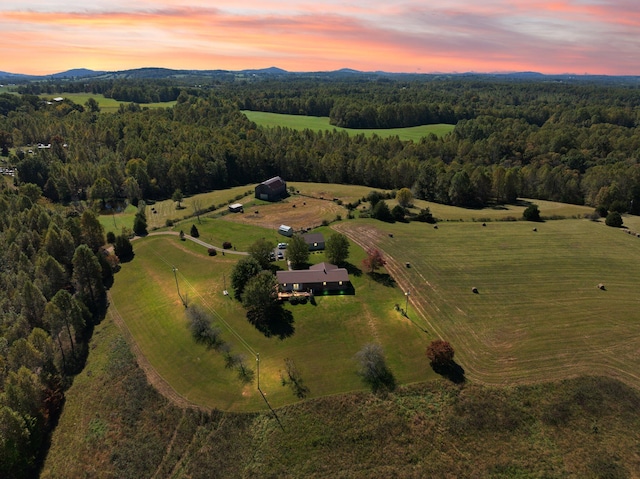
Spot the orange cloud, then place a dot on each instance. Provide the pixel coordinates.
(457, 35)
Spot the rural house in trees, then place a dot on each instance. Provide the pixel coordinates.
(315, 241)
(318, 279)
(273, 189)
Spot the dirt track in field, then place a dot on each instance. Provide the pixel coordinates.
(299, 212)
(483, 367)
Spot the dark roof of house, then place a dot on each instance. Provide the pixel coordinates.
(317, 273)
(274, 183)
(311, 238)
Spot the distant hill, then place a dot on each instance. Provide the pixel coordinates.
(76, 73)
(157, 73)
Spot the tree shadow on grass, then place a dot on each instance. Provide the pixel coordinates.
(452, 371)
(275, 322)
(385, 279)
(353, 270)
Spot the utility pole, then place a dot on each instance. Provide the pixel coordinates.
(175, 275)
(406, 304)
(258, 363)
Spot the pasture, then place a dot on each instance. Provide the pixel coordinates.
(538, 314)
(302, 122)
(322, 342)
(110, 105)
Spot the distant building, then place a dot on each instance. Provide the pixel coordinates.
(318, 279)
(273, 189)
(236, 208)
(315, 241)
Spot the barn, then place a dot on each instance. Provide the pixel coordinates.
(273, 189)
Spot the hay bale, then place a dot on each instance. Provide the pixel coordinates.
(435, 227)
(474, 290)
(484, 224)
(601, 287)
(535, 229)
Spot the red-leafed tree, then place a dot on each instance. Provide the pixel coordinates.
(374, 260)
(440, 353)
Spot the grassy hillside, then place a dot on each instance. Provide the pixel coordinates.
(115, 425)
(301, 122)
(539, 314)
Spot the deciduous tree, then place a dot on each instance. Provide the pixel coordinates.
(337, 248)
(374, 260)
(243, 271)
(261, 251)
(373, 368)
(298, 252)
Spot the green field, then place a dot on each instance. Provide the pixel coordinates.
(302, 122)
(109, 105)
(539, 314)
(326, 336)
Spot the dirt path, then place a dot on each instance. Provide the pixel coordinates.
(195, 240)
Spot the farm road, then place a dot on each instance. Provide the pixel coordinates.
(197, 241)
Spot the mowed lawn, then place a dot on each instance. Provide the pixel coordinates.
(323, 341)
(539, 314)
(302, 122)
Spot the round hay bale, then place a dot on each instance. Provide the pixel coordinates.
(474, 290)
(435, 227)
(535, 229)
(601, 287)
(484, 224)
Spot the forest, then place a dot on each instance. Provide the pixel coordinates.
(575, 142)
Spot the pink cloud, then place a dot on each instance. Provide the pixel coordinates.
(497, 35)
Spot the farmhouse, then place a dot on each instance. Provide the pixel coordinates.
(315, 241)
(273, 189)
(318, 279)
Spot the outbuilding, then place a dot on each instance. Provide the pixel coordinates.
(285, 230)
(236, 208)
(315, 241)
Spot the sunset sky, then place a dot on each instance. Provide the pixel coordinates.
(563, 36)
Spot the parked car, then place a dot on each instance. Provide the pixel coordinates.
(282, 245)
(280, 255)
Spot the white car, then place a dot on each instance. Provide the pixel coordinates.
(282, 245)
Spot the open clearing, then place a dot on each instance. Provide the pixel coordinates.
(539, 314)
(110, 105)
(302, 122)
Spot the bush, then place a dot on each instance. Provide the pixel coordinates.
(194, 231)
(614, 219)
(212, 252)
(602, 211)
(226, 245)
(532, 213)
(169, 223)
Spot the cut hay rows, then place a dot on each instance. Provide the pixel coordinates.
(538, 315)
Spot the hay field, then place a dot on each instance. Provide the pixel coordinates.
(302, 122)
(109, 105)
(539, 315)
(299, 212)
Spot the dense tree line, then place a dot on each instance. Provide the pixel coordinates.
(581, 153)
(53, 273)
